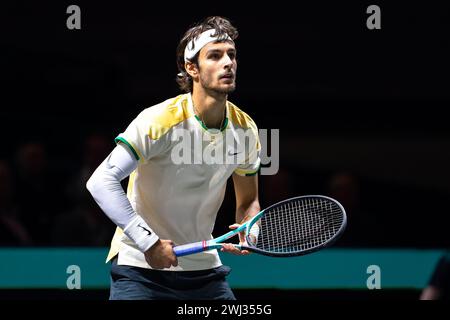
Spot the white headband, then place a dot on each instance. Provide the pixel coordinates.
(196, 44)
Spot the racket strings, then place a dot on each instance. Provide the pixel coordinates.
(299, 225)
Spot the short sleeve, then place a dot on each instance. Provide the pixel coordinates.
(252, 150)
(143, 137)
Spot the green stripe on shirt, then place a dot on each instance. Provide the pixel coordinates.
(120, 139)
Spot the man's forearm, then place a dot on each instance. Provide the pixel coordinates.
(247, 211)
(105, 187)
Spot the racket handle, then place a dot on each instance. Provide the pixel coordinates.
(189, 248)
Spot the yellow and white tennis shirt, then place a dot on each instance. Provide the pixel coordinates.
(179, 183)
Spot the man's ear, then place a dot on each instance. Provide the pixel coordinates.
(191, 69)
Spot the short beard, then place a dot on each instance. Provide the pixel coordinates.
(225, 91)
(218, 90)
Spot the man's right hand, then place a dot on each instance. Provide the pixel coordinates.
(161, 255)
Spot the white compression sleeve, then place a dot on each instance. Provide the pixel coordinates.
(105, 187)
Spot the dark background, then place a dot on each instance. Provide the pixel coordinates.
(361, 110)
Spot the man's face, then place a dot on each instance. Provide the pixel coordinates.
(217, 65)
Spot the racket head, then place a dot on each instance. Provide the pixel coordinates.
(297, 226)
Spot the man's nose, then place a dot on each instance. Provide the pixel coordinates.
(228, 62)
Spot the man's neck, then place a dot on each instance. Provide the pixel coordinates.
(210, 107)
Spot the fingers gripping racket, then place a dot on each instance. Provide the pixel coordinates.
(292, 227)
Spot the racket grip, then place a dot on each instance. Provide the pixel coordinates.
(189, 248)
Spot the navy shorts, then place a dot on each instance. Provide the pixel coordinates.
(134, 283)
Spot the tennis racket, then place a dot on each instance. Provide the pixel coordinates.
(291, 227)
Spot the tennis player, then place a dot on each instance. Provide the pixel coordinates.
(169, 203)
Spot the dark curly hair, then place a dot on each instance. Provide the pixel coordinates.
(222, 26)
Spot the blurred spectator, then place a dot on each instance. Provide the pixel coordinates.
(85, 225)
(38, 191)
(438, 287)
(362, 226)
(12, 230)
(96, 148)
